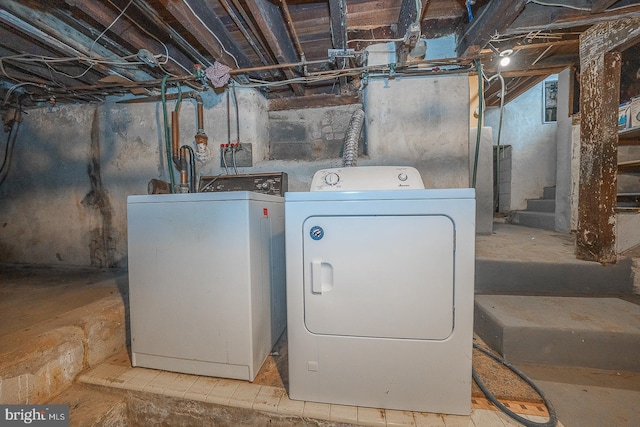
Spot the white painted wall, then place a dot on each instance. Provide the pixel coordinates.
(533, 145)
(422, 122)
(563, 154)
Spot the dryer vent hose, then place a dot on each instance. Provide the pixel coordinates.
(351, 138)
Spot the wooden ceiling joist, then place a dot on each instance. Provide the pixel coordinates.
(55, 31)
(177, 63)
(494, 18)
(207, 28)
(269, 20)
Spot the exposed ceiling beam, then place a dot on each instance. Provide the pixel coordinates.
(207, 28)
(15, 44)
(178, 62)
(547, 71)
(75, 45)
(545, 18)
(607, 37)
(493, 19)
(247, 29)
(189, 50)
(600, 5)
(269, 21)
(312, 101)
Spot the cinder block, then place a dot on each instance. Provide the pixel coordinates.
(290, 151)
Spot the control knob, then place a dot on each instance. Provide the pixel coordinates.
(331, 178)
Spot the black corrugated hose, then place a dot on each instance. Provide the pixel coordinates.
(553, 419)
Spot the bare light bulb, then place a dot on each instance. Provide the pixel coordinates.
(504, 61)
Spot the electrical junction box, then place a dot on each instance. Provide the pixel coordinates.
(381, 54)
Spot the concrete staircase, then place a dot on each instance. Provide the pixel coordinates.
(537, 304)
(540, 213)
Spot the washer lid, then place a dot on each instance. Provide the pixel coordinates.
(379, 276)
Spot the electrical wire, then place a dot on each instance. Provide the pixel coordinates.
(211, 32)
(568, 6)
(583, 9)
(14, 87)
(141, 28)
(82, 59)
(553, 418)
(10, 145)
(496, 201)
(110, 25)
(479, 130)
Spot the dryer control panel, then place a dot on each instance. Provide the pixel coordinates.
(367, 178)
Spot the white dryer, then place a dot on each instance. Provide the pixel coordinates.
(380, 290)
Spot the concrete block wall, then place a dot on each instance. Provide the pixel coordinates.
(309, 134)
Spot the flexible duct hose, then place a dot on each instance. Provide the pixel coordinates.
(351, 138)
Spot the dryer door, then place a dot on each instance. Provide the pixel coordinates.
(379, 276)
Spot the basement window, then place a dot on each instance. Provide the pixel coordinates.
(550, 101)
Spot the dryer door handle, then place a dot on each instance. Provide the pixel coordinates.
(321, 276)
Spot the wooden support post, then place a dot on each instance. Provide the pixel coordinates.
(600, 65)
(599, 93)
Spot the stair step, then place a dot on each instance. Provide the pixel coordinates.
(544, 220)
(93, 407)
(555, 276)
(601, 333)
(541, 205)
(549, 193)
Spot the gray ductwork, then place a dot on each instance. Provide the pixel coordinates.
(351, 139)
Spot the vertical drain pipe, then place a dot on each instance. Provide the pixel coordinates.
(351, 138)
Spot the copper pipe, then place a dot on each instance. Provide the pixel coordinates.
(200, 108)
(184, 177)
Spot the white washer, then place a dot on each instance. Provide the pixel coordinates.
(380, 290)
(206, 281)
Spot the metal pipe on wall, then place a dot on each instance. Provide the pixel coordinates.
(179, 154)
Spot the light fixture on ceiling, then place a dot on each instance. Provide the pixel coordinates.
(505, 57)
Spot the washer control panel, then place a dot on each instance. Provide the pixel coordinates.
(275, 183)
(367, 178)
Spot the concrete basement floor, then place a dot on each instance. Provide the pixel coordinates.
(42, 307)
